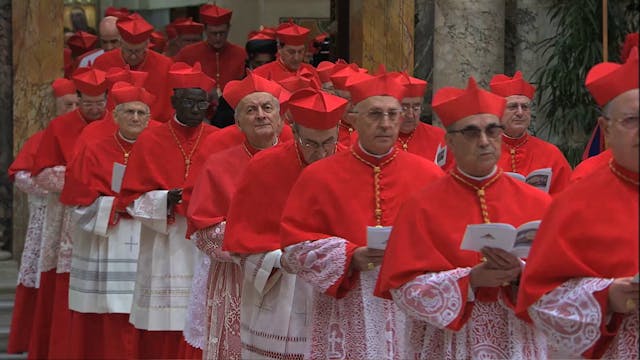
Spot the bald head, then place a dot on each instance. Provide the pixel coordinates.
(109, 35)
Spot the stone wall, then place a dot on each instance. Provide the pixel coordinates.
(6, 125)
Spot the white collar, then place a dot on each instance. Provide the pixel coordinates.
(479, 178)
(375, 155)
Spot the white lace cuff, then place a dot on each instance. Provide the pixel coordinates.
(321, 262)
(151, 210)
(570, 315)
(433, 297)
(51, 179)
(209, 241)
(24, 182)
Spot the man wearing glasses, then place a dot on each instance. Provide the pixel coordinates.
(333, 206)
(165, 158)
(276, 305)
(55, 152)
(459, 302)
(415, 136)
(134, 52)
(523, 153)
(585, 299)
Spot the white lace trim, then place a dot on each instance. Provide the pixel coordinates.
(195, 330)
(570, 315)
(321, 262)
(209, 241)
(434, 297)
(625, 343)
(24, 182)
(51, 179)
(51, 234)
(29, 274)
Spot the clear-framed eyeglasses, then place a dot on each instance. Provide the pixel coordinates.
(202, 105)
(471, 132)
(314, 146)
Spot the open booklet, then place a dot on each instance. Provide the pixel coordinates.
(441, 155)
(540, 178)
(517, 241)
(378, 236)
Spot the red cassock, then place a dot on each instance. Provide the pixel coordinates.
(588, 237)
(99, 335)
(97, 131)
(222, 66)
(277, 71)
(56, 148)
(346, 135)
(25, 297)
(529, 153)
(214, 187)
(336, 197)
(423, 260)
(589, 165)
(159, 164)
(157, 65)
(440, 230)
(255, 211)
(424, 141)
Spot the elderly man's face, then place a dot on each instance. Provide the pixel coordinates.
(412, 108)
(377, 120)
(134, 54)
(109, 35)
(517, 115)
(258, 116)
(315, 144)
(292, 55)
(191, 105)
(132, 118)
(475, 142)
(92, 107)
(66, 103)
(217, 35)
(621, 128)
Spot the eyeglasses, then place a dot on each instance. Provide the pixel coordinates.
(416, 108)
(471, 132)
(378, 115)
(132, 113)
(93, 104)
(201, 105)
(629, 122)
(514, 106)
(217, 33)
(314, 146)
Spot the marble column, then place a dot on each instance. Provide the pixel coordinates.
(37, 61)
(468, 41)
(382, 32)
(423, 53)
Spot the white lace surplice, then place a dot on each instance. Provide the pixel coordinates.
(29, 276)
(571, 317)
(195, 327)
(53, 219)
(275, 314)
(432, 301)
(358, 326)
(165, 266)
(223, 297)
(104, 262)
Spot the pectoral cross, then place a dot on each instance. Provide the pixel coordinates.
(187, 163)
(131, 243)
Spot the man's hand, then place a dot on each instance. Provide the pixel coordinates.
(485, 275)
(624, 295)
(174, 197)
(365, 259)
(499, 259)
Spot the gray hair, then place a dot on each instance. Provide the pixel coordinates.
(120, 107)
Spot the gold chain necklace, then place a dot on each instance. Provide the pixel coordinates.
(405, 144)
(513, 149)
(621, 175)
(480, 192)
(124, 152)
(376, 181)
(187, 159)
